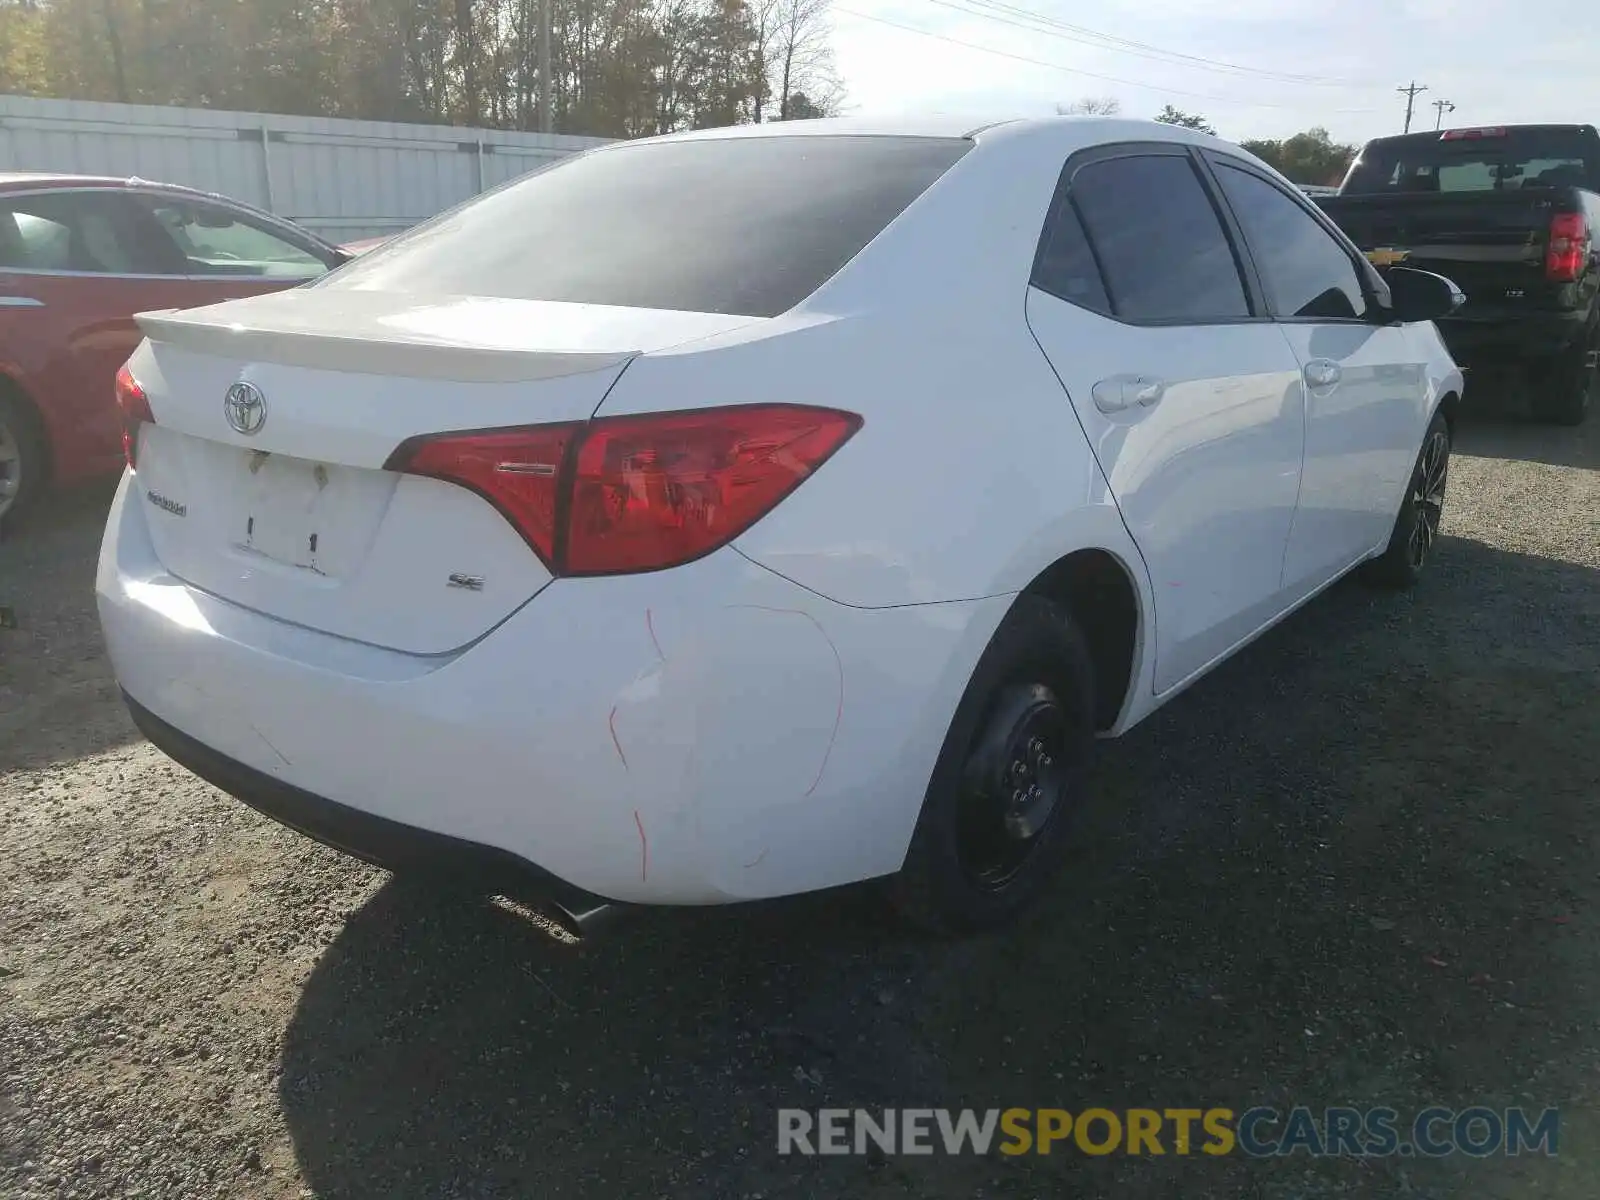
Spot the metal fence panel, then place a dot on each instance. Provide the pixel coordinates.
(344, 179)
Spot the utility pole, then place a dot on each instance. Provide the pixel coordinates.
(546, 123)
(1411, 98)
(1443, 107)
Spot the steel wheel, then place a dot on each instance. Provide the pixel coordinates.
(1014, 784)
(998, 818)
(1427, 496)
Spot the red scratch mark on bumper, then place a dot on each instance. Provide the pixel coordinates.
(644, 849)
(838, 714)
(650, 624)
(611, 724)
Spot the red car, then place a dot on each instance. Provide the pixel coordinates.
(79, 256)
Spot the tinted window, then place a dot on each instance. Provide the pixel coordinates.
(1517, 158)
(1159, 240)
(67, 231)
(1066, 266)
(748, 225)
(1307, 272)
(211, 240)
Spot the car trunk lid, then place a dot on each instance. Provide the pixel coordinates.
(286, 506)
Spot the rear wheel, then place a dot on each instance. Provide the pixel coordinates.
(21, 457)
(1416, 527)
(1010, 778)
(1562, 393)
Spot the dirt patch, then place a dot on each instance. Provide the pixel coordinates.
(1355, 866)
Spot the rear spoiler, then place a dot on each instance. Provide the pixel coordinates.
(392, 354)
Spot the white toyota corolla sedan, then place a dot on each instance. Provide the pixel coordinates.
(752, 511)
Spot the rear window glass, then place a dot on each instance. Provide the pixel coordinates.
(1501, 163)
(749, 226)
(1159, 240)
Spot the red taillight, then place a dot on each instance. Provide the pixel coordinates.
(516, 470)
(626, 494)
(135, 408)
(1468, 135)
(1568, 252)
(655, 491)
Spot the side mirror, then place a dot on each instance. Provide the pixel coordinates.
(1420, 295)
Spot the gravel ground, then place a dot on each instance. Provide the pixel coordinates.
(1356, 865)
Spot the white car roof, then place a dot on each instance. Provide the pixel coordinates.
(929, 125)
(1079, 130)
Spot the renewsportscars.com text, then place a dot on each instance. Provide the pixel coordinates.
(1257, 1132)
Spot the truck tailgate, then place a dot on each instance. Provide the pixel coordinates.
(1491, 243)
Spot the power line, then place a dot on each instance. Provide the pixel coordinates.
(1411, 99)
(1028, 19)
(1039, 62)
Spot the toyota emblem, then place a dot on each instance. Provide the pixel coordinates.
(245, 407)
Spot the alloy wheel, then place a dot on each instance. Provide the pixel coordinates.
(1427, 496)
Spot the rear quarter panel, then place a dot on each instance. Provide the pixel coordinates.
(970, 474)
(50, 353)
(63, 355)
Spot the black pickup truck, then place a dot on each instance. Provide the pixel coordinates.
(1509, 214)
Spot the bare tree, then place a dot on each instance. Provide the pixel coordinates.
(1091, 106)
(617, 68)
(798, 57)
(114, 41)
(766, 16)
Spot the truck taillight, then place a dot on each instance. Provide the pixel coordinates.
(1472, 135)
(1568, 251)
(640, 493)
(134, 405)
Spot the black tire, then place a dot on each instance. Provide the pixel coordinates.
(22, 457)
(1416, 527)
(1562, 392)
(978, 857)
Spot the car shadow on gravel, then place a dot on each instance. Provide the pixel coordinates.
(1354, 866)
(1496, 424)
(1530, 441)
(58, 699)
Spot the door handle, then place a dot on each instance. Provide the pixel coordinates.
(1122, 392)
(20, 302)
(1323, 372)
(1147, 391)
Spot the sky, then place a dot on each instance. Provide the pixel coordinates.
(1275, 67)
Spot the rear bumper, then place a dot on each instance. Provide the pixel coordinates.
(1493, 340)
(364, 835)
(695, 736)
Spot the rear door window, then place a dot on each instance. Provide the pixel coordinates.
(1066, 267)
(1159, 241)
(747, 225)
